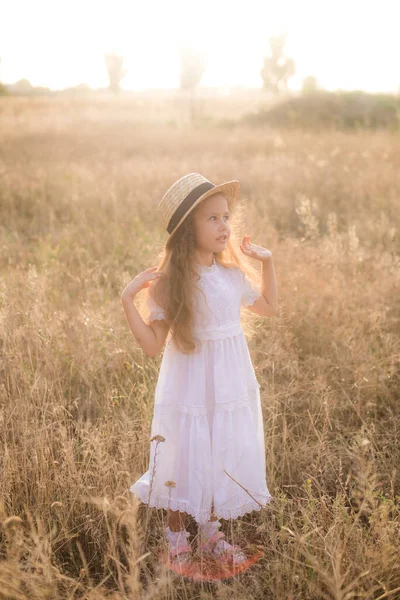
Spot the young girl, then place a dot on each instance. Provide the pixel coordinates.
(207, 452)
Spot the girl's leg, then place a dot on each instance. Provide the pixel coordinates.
(178, 538)
(176, 520)
(211, 542)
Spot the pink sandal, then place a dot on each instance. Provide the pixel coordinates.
(179, 551)
(211, 542)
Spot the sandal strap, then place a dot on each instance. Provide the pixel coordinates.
(180, 549)
(216, 536)
(226, 555)
(212, 539)
(234, 549)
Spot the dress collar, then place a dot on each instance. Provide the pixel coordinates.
(206, 268)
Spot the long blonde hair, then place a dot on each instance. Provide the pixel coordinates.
(173, 290)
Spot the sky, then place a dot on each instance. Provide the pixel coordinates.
(345, 44)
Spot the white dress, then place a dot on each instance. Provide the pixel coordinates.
(207, 407)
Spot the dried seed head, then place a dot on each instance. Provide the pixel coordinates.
(12, 522)
(121, 502)
(170, 483)
(158, 437)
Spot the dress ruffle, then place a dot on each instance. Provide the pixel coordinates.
(250, 292)
(156, 311)
(201, 410)
(220, 473)
(199, 516)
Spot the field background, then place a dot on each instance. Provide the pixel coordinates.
(79, 185)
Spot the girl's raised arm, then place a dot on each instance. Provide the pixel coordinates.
(148, 338)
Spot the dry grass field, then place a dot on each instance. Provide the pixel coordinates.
(79, 184)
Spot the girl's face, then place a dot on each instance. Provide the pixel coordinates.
(211, 223)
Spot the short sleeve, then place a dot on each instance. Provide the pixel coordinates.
(156, 311)
(250, 291)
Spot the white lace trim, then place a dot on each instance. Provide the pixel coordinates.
(251, 296)
(157, 315)
(203, 334)
(239, 511)
(194, 411)
(233, 405)
(201, 269)
(197, 410)
(250, 291)
(203, 515)
(172, 503)
(218, 333)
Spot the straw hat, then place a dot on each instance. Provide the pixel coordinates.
(186, 193)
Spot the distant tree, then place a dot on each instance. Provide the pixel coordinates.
(81, 88)
(309, 84)
(115, 71)
(277, 67)
(24, 85)
(193, 66)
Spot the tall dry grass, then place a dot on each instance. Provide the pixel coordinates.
(77, 203)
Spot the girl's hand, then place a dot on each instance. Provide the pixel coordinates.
(254, 251)
(142, 280)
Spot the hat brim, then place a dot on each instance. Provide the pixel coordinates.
(230, 188)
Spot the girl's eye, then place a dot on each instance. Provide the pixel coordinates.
(213, 217)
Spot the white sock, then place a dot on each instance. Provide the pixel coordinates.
(207, 529)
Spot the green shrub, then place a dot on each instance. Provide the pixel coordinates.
(339, 110)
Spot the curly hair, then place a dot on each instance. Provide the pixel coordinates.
(174, 289)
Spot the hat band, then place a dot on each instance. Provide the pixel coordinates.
(187, 203)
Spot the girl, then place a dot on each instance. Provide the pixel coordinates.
(207, 452)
